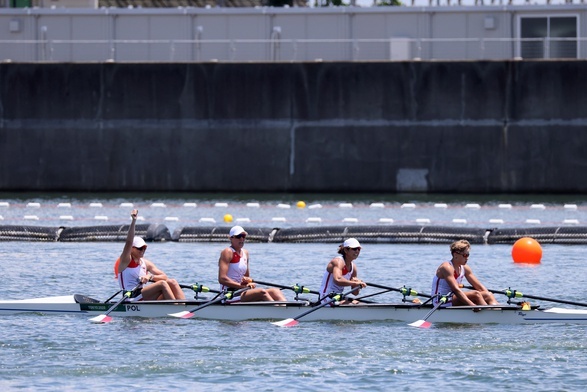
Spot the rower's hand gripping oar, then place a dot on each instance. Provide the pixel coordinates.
(292, 322)
(518, 294)
(426, 324)
(223, 296)
(105, 318)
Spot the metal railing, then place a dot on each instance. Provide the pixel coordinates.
(290, 50)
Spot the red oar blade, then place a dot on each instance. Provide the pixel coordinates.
(185, 314)
(421, 324)
(286, 323)
(101, 319)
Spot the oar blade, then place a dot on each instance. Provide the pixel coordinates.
(185, 314)
(101, 319)
(286, 323)
(421, 324)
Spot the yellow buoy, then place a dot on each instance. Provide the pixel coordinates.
(301, 204)
(228, 218)
(527, 250)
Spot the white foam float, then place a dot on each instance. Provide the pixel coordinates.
(533, 221)
(64, 205)
(386, 220)
(4, 204)
(171, 218)
(473, 206)
(422, 221)
(570, 206)
(538, 206)
(158, 205)
(314, 206)
(207, 220)
(31, 217)
(505, 206)
(345, 205)
(496, 221)
(408, 205)
(65, 217)
(571, 221)
(253, 205)
(127, 205)
(459, 220)
(220, 204)
(243, 220)
(190, 205)
(100, 217)
(96, 205)
(314, 220)
(281, 205)
(278, 219)
(33, 205)
(350, 220)
(440, 205)
(376, 205)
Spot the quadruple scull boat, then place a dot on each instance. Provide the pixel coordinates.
(241, 311)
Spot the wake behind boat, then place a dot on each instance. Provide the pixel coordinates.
(241, 311)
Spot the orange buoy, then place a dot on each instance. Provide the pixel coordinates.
(527, 250)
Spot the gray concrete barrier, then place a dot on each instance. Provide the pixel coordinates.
(294, 127)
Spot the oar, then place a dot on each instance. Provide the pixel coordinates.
(518, 294)
(198, 288)
(296, 288)
(221, 297)
(292, 322)
(426, 324)
(403, 290)
(105, 318)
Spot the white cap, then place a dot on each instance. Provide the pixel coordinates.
(138, 242)
(236, 230)
(351, 243)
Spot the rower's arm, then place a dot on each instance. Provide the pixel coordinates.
(223, 264)
(125, 255)
(445, 272)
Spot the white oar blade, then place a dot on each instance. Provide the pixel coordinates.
(101, 319)
(185, 314)
(421, 324)
(286, 323)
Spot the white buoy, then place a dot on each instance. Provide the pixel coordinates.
(158, 205)
(207, 220)
(190, 205)
(253, 205)
(96, 205)
(350, 220)
(314, 220)
(100, 217)
(345, 205)
(4, 204)
(408, 205)
(459, 220)
(127, 205)
(505, 206)
(281, 205)
(571, 221)
(570, 206)
(278, 219)
(172, 218)
(243, 220)
(33, 205)
(440, 205)
(473, 206)
(65, 217)
(31, 217)
(496, 221)
(422, 221)
(386, 220)
(376, 205)
(538, 206)
(314, 206)
(64, 205)
(533, 221)
(221, 205)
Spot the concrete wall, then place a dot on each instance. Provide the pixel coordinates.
(365, 127)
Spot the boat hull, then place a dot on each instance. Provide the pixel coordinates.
(242, 311)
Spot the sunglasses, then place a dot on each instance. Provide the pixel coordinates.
(463, 254)
(357, 248)
(239, 236)
(144, 248)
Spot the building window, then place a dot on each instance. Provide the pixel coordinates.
(548, 37)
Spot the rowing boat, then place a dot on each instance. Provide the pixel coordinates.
(240, 311)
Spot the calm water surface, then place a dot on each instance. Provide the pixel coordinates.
(69, 353)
